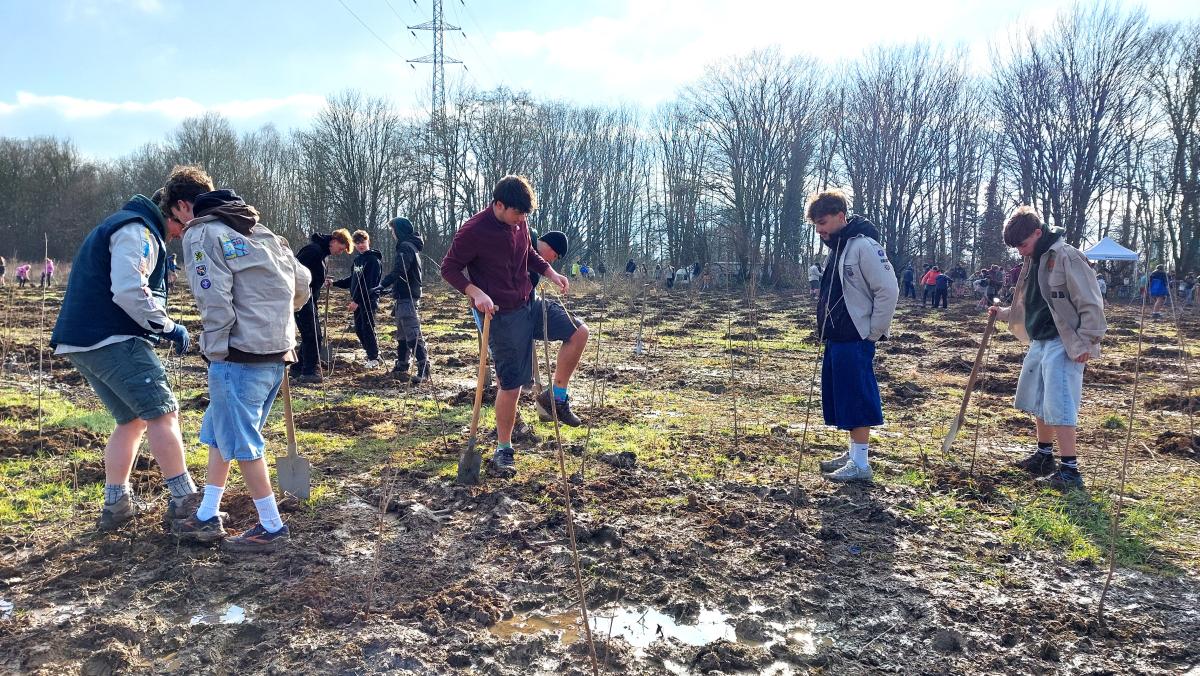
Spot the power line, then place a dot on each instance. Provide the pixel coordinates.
(369, 30)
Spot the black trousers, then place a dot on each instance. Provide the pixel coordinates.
(940, 295)
(308, 325)
(364, 328)
(910, 291)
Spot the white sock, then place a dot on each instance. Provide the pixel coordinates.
(858, 454)
(268, 513)
(211, 503)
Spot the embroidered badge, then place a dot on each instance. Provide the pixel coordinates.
(199, 255)
(205, 283)
(881, 253)
(201, 270)
(1050, 264)
(233, 248)
(849, 271)
(145, 242)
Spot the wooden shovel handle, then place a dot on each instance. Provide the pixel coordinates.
(481, 381)
(983, 343)
(287, 414)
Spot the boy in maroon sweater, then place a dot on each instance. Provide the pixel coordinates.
(493, 247)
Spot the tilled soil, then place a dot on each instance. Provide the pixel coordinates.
(400, 571)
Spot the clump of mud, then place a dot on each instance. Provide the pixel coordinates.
(908, 391)
(962, 341)
(460, 603)
(341, 418)
(52, 440)
(1173, 401)
(1176, 443)
(994, 384)
(467, 397)
(1102, 376)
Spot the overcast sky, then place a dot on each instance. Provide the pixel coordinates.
(115, 74)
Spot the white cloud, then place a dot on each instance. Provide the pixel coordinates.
(178, 108)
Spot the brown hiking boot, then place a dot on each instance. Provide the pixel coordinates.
(117, 514)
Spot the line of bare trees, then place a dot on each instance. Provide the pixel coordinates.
(1094, 119)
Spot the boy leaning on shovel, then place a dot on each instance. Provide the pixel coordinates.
(247, 285)
(1058, 312)
(114, 307)
(495, 249)
(854, 310)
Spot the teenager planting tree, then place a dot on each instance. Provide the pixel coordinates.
(364, 299)
(312, 256)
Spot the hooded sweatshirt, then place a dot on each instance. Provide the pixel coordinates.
(858, 288)
(364, 277)
(405, 277)
(312, 256)
(1038, 320)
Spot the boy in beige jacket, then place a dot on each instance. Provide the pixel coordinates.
(1058, 312)
(247, 286)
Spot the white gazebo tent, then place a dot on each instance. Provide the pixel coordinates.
(1108, 250)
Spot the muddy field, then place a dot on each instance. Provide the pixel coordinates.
(703, 549)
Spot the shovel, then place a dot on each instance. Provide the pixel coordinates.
(962, 410)
(470, 460)
(294, 472)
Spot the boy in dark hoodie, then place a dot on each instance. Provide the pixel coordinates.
(854, 310)
(405, 282)
(308, 322)
(364, 301)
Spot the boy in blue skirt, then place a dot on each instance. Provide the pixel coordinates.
(854, 310)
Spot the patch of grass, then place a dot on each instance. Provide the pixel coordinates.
(1080, 526)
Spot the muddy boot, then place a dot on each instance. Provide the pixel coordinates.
(503, 464)
(837, 463)
(117, 514)
(1038, 464)
(546, 400)
(422, 358)
(192, 529)
(1064, 479)
(400, 370)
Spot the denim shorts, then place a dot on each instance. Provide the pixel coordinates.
(240, 398)
(1051, 383)
(510, 339)
(849, 390)
(129, 378)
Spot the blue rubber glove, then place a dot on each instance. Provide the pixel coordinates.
(179, 336)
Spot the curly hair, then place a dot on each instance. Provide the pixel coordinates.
(1023, 222)
(186, 182)
(828, 203)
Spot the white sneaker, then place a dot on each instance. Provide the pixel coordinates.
(372, 363)
(836, 463)
(849, 472)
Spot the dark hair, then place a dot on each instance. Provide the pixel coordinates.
(515, 192)
(186, 182)
(828, 203)
(1021, 225)
(360, 236)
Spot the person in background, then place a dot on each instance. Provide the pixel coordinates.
(928, 282)
(1103, 284)
(1159, 288)
(308, 321)
(909, 275)
(814, 279)
(941, 289)
(405, 281)
(630, 268)
(23, 275)
(3, 266)
(48, 273)
(364, 276)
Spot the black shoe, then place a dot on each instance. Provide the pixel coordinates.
(1065, 479)
(117, 514)
(193, 529)
(400, 369)
(1038, 464)
(503, 464)
(546, 399)
(310, 378)
(422, 373)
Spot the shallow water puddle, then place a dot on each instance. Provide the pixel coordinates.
(641, 627)
(232, 614)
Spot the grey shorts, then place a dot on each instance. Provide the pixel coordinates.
(129, 378)
(512, 334)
